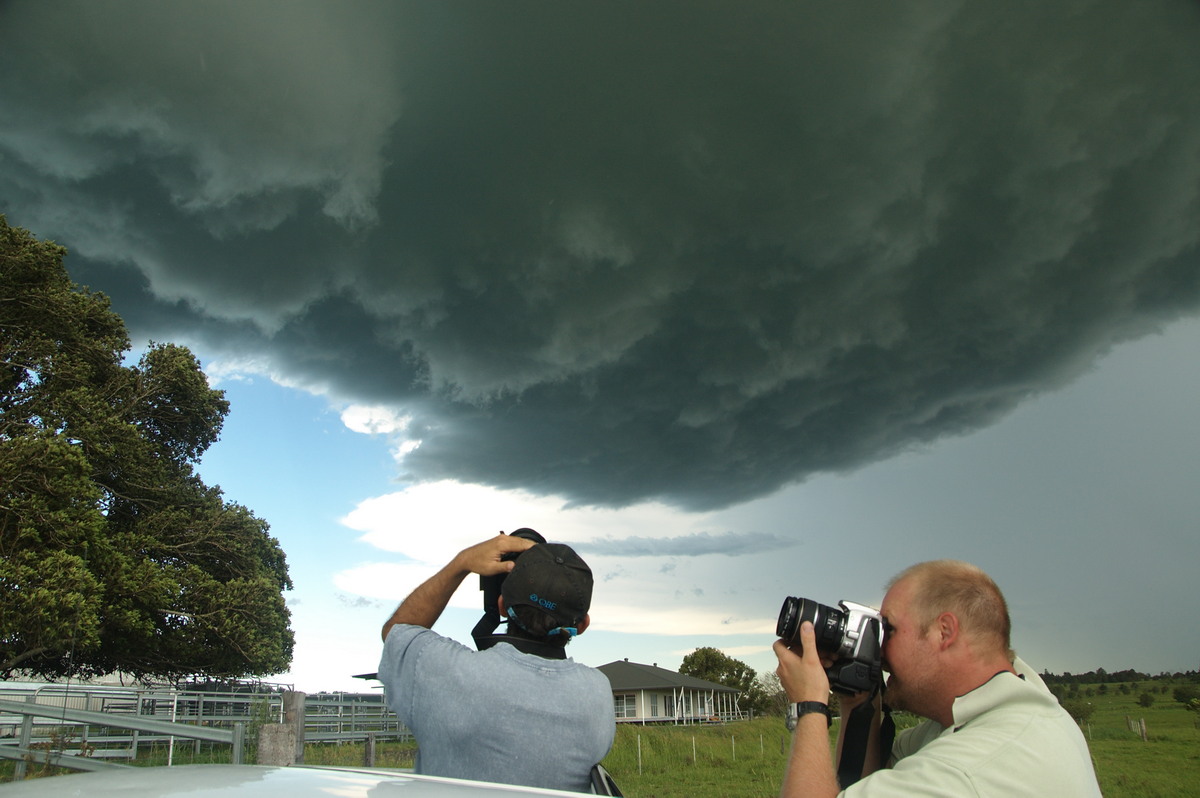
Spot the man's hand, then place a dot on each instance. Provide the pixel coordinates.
(810, 768)
(484, 558)
(802, 674)
(848, 703)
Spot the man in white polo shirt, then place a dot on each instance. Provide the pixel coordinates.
(992, 728)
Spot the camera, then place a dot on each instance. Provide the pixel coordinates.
(491, 587)
(852, 636)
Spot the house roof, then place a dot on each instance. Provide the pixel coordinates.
(626, 675)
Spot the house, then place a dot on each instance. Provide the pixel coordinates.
(650, 694)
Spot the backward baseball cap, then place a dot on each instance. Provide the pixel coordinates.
(552, 578)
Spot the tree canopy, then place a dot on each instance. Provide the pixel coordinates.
(114, 555)
(715, 666)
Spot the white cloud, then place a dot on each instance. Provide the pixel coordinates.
(737, 652)
(678, 620)
(375, 420)
(427, 524)
(384, 580)
(239, 370)
(432, 521)
(650, 613)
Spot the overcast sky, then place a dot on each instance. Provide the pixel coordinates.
(744, 300)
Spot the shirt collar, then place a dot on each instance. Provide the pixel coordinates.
(1003, 688)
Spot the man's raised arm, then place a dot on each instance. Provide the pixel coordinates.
(425, 604)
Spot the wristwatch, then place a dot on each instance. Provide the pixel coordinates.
(802, 708)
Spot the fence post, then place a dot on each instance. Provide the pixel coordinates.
(276, 744)
(293, 713)
(369, 753)
(239, 741)
(199, 722)
(133, 743)
(26, 736)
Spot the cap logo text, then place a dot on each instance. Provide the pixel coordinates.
(541, 602)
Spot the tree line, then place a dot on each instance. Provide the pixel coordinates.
(762, 694)
(1101, 676)
(114, 555)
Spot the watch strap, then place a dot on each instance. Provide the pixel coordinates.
(799, 709)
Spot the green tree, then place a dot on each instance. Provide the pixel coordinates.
(114, 556)
(1146, 700)
(715, 666)
(1078, 709)
(772, 689)
(1187, 695)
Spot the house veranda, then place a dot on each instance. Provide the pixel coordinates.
(650, 694)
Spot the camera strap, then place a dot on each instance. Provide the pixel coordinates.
(525, 646)
(857, 737)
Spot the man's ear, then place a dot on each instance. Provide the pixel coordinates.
(948, 630)
(584, 624)
(500, 605)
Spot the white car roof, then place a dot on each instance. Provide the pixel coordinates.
(238, 781)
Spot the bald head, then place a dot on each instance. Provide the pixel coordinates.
(958, 587)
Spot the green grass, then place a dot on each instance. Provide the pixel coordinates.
(1167, 765)
(388, 754)
(738, 759)
(747, 759)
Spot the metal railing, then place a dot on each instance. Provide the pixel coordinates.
(63, 716)
(122, 720)
(345, 717)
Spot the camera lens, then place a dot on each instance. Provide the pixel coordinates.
(828, 623)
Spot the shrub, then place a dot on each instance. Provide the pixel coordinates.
(1078, 709)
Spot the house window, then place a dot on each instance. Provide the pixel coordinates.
(654, 705)
(625, 705)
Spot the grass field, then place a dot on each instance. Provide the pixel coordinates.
(747, 759)
(1166, 765)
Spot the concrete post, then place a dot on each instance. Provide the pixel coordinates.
(276, 744)
(293, 716)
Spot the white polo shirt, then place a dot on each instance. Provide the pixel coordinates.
(1010, 738)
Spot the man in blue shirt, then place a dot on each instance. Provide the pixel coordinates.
(520, 711)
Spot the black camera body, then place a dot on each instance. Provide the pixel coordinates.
(852, 636)
(492, 587)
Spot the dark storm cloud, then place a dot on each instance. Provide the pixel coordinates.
(620, 251)
(731, 544)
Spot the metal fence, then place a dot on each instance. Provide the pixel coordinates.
(63, 750)
(341, 717)
(119, 722)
